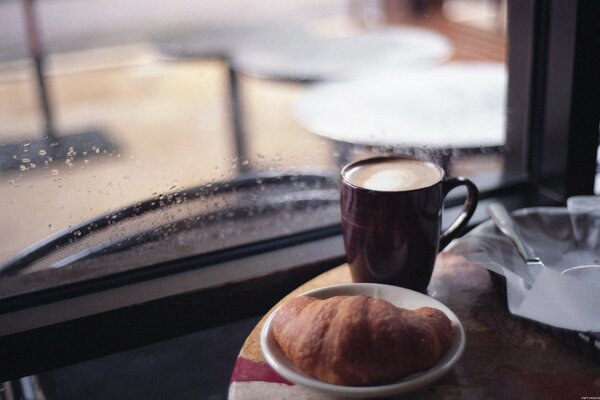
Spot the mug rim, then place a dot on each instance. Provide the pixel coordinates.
(394, 157)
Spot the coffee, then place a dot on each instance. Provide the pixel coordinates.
(392, 175)
(391, 217)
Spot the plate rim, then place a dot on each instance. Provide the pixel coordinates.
(406, 384)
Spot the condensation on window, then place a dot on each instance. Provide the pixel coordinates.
(135, 102)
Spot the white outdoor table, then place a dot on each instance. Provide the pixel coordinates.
(363, 54)
(454, 107)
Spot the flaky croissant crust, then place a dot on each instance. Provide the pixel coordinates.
(360, 340)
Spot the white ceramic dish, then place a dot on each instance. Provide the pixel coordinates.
(399, 297)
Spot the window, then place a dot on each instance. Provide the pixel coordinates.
(163, 164)
(144, 139)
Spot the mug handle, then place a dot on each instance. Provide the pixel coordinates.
(466, 213)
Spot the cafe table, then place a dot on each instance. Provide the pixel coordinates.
(505, 357)
(223, 43)
(455, 108)
(351, 55)
(288, 52)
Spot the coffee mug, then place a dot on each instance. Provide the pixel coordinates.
(391, 216)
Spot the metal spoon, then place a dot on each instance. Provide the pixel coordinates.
(507, 226)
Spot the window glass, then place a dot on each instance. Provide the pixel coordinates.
(172, 129)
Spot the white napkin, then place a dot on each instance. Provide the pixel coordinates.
(561, 240)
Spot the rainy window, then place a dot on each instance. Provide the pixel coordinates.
(141, 132)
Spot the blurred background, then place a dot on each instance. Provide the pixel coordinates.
(105, 103)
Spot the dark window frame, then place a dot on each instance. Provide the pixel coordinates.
(553, 99)
(553, 66)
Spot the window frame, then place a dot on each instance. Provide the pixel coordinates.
(553, 99)
(553, 79)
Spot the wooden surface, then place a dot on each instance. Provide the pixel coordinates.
(505, 357)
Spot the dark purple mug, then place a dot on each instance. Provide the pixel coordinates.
(391, 216)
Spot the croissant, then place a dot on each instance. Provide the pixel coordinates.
(360, 340)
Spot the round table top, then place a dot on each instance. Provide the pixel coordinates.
(362, 54)
(504, 357)
(456, 105)
(226, 41)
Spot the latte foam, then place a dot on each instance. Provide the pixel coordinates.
(393, 175)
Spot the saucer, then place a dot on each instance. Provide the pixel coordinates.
(400, 297)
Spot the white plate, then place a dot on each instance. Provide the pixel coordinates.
(400, 297)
